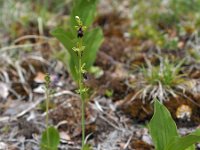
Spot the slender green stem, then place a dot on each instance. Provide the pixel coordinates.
(83, 118)
(80, 71)
(81, 88)
(47, 111)
(47, 107)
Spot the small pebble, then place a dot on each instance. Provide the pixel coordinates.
(3, 146)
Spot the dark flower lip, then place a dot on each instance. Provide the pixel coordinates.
(85, 76)
(80, 32)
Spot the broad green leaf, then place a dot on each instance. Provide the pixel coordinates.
(66, 38)
(92, 41)
(85, 9)
(86, 147)
(50, 139)
(191, 147)
(186, 142)
(162, 127)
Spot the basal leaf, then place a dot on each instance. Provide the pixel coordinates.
(162, 127)
(50, 139)
(66, 38)
(92, 40)
(86, 147)
(186, 142)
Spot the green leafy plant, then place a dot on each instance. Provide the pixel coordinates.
(166, 73)
(79, 69)
(164, 131)
(109, 93)
(93, 38)
(81, 48)
(50, 137)
(160, 81)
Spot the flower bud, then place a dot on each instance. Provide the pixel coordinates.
(77, 17)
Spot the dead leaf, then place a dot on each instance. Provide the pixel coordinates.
(40, 77)
(4, 90)
(65, 136)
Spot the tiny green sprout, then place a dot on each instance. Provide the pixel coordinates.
(50, 137)
(47, 94)
(47, 80)
(109, 93)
